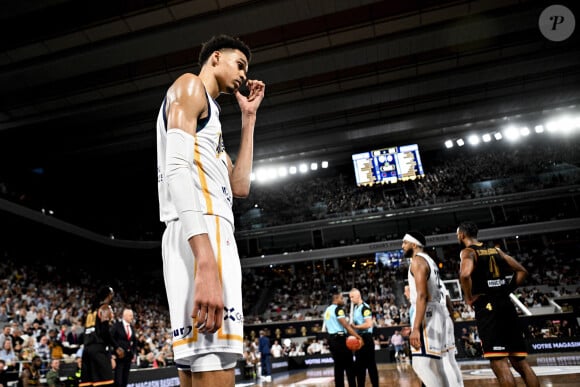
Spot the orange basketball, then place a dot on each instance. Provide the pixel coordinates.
(352, 343)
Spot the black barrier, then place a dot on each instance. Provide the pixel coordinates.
(153, 377)
(554, 345)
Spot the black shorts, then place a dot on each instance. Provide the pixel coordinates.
(499, 327)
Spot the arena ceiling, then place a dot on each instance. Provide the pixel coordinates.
(82, 81)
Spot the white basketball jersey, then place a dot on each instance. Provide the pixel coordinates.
(210, 170)
(432, 282)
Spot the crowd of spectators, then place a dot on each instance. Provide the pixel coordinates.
(42, 312)
(449, 176)
(42, 306)
(299, 292)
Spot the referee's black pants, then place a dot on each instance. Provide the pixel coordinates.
(343, 360)
(365, 360)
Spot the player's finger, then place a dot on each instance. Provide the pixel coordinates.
(201, 317)
(219, 318)
(210, 321)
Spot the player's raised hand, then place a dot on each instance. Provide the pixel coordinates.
(249, 104)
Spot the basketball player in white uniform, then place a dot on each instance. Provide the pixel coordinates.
(448, 356)
(196, 184)
(427, 336)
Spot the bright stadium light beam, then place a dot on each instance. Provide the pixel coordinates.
(473, 139)
(272, 173)
(460, 142)
(292, 170)
(539, 128)
(566, 125)
(261, 175)
(511, 133)
(282, 172)
(324, 164)
(525, 131)
(313, 166)
(486, 137)
(498, 136)
(303, 168)
(448, 144)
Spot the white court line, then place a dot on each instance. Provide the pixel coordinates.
(486, 373)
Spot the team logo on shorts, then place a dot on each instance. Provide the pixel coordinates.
(231, 314)
(182, 332)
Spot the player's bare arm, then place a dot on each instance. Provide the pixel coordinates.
(520, 271)
(466, 267)
(420, 270)
(240, 172)
(187, 102)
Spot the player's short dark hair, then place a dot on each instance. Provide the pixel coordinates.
(219, 42)
(469, 228)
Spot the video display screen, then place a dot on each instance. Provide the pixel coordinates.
(388, 165)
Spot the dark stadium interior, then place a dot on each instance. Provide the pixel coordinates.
(82, 83)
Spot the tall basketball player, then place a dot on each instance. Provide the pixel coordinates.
(197, 182)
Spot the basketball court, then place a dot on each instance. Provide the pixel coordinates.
(554, 370)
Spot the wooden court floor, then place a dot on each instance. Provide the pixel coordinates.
(553, 370)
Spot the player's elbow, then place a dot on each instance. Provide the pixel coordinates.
(464, 278)
(241, 192)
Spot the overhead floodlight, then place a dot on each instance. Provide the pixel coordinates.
(313, 166)
(303, 168)
(282, 172)
(498, 136)
(448, 144)
(525, 131)
(292, 170)
(539, 128)
(552, 126)
(460, 142)
(261, 175)
(565, 124)
(324, 164)
(486, 137)
(271, 173)
(511, 133)
(473, 139)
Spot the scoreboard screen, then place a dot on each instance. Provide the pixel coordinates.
(388, 165)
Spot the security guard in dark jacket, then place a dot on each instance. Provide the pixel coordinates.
(338, 330)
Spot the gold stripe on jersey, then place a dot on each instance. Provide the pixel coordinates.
(202, 179)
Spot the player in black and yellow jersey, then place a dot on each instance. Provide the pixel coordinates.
(488, 276)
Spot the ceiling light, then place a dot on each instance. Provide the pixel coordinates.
(539, 128)
(498, 136)
(511, 133)
(324, 164)
(473, 139)
(448, 144)
(524, 131)
(292, 170)
(303, 168)
(486, 137)
(460, 142)
(313, 166)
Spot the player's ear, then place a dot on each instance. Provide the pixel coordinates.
(215, 57)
